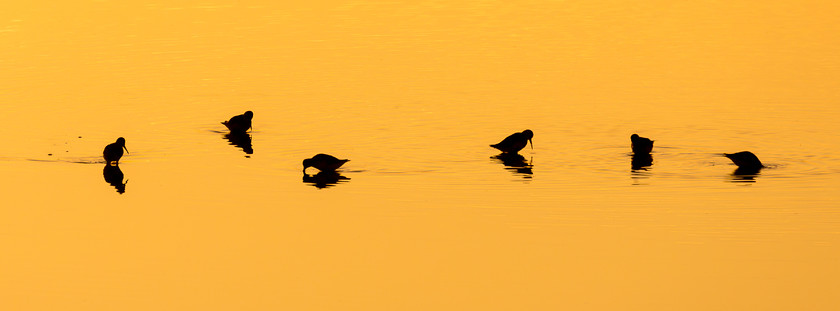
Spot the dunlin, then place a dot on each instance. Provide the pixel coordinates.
(640, 145)
(323, 162)
(240, 123)
(515, 142)
(114, 152)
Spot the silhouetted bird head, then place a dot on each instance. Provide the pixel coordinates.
(249, 114)
(529, 134)
(121, 142)
(307, 163)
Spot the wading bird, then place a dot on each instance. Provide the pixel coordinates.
(323, 162)
(114, 152)
(515, 142)
(240, 123)
(745, 160)
(640, 145)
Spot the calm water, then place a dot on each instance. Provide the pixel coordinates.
(424, 218)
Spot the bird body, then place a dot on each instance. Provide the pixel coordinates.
(640, 145)
(515, 142)
(113, 152)
(323, 162)
(745, 160)
(240, 123)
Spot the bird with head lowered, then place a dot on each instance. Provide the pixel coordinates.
(240, 123)
(515, 142)
(323, 162)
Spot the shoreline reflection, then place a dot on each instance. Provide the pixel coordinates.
(114, 176)
(516, 163)
(241, 140)
(325, 179)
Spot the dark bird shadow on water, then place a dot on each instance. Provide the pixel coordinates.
(241, 140)
(114, 176)
(745, 175)
(324, 179)
(516, 163)
(641, 161)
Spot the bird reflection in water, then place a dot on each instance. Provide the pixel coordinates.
(745, 174)
(516, 163)
(114, 176)
(324, 179)
(241, 140)
(641, 161)
(639, 165)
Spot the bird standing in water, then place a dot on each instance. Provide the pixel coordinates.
(745, 160)
(240, 123)
(515, 142)
(323, 162)
(114, 152)
(640, 144)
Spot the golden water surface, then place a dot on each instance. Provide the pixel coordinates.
(413, 93)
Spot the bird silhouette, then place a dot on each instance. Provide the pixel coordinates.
(745, 160)
(323, 162)
(113, 152)
(515, 142)
(240, 123)
(640, 145)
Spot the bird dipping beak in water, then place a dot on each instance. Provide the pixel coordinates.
(640, 145)
(323, 162)
(240, 123)
(515, 142)
(745, 160)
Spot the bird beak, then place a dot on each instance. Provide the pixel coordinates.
(126, 149)
(532, 144)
